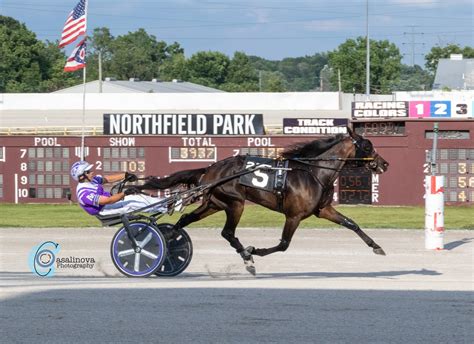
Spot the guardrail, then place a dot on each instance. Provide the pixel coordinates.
(89, 130)
(58, 131)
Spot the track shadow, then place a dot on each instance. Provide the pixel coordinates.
(210, 275)
(452, 245)
(317, 275)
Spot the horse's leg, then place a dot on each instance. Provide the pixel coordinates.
(333, 215)
(233, 213)
(289, 229)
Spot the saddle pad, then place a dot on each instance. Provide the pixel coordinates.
(260, 179)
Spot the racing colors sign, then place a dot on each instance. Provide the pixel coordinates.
(315, 126)
(370, 109)
(183, 124)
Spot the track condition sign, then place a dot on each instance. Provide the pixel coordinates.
(183, 124)
(315, 126)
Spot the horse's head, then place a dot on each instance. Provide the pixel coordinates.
(365, 150)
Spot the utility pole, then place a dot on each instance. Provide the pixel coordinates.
(100, 71)
(339, 80)
(413, 43)
(367, 60)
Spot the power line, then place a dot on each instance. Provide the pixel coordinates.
(413, 43)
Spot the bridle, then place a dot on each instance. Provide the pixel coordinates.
(360, 155)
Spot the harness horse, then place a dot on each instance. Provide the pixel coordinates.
(312, 169)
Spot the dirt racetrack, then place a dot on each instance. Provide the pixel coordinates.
(327, 288)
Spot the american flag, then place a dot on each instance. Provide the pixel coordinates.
(75, 24)
(77, 60)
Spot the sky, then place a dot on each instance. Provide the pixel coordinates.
(272, 29)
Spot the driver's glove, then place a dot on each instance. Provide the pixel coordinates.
(131, 190)
(130, 177)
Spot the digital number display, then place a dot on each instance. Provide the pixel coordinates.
(457, 167)
(266, 152)
(191, 154)
(43, 173)
(121, 159)
(380, 128)
(355, 186)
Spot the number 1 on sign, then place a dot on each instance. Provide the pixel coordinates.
(419, 109)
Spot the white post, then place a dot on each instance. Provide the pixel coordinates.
(434, 202)
(434, 212)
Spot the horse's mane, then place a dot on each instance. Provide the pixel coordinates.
(311, 149)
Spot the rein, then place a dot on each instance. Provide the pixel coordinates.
(333, 159)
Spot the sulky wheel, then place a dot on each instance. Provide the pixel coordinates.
(180, 251)
(146, 258)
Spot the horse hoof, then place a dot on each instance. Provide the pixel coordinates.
(251, 269)
(379, 251)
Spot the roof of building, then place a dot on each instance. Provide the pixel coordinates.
(136, 86)
(454, 73)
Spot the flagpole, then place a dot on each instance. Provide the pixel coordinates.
(84, 73)
(76, 25)
(83, 113)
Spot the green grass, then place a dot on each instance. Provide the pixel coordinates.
(65, 215)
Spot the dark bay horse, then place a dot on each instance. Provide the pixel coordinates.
(309, 189)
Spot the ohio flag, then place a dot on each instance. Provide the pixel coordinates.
(77, 60)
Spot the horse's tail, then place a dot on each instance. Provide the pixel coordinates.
(187, 177)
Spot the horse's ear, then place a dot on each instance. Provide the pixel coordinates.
(352, 133)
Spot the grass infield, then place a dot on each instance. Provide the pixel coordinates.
(71, 215)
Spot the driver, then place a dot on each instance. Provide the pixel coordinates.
(96, 201)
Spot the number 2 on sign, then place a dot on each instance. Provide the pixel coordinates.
(440, 109)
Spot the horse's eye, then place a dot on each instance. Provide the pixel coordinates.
(367, 147)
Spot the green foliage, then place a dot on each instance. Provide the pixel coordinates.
(273, 82)
(436, 53)
(208, 68)
(291, 74)
(133, 55)
(349, 58)
(174, 68)
(413, 79)
(27, 64)
(241, 76)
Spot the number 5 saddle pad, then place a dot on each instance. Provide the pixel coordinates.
(272, 179)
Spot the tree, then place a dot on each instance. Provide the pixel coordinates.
(100, 42)
(241, 76)
(350, 59)
(273, 82)
(27, 64)
(54, 76)
(133, 55)
(436, 53)
(174, 67)
(208, 68)
(299, 74)
(413, 79)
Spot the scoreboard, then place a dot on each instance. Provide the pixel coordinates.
(36, 168)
